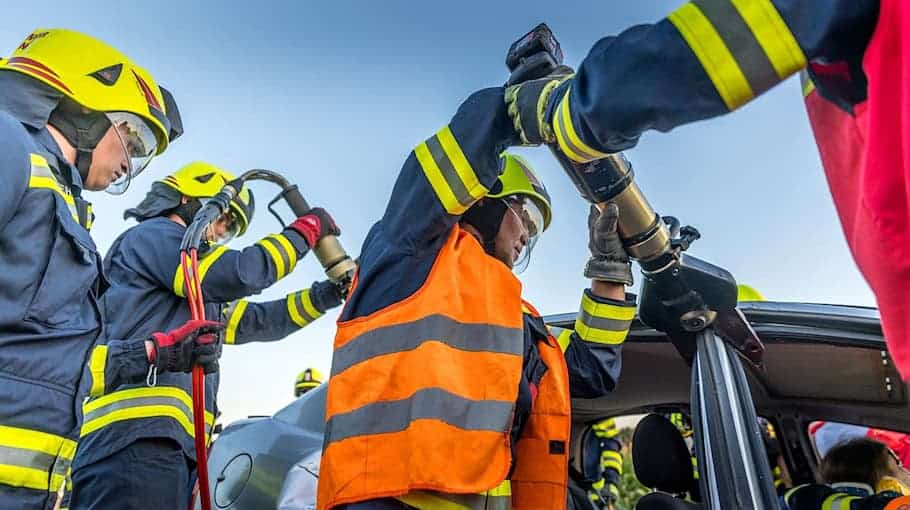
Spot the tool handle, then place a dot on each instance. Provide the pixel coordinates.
(335, 261)
(295, 201)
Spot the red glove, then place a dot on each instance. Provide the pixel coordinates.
(315, 225)
(195, 343)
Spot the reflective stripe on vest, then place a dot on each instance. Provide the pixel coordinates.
(33, 459)
(136, 403)
(422, 392)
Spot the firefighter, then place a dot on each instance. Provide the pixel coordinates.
(711, 57)
(606, 488)
(307, 380)
(861, 473)
(136, 446)
(445, 385)
(75, 114)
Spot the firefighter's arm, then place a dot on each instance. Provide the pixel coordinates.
(447, 173)
(228, 275)
(593, 348)
(441, 178)
(705, 59)
(15, 164)
(116, 363)
(266, 322)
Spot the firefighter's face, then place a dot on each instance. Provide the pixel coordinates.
(109, 162)
(512, 237)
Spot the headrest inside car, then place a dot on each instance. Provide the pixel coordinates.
(660, 456)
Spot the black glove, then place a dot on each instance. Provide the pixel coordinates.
(609, 261)
(315, 225)
(197, 342)
(527, 106)
(325, 295)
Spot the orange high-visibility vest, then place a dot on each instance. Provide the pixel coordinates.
(541, 470)
(422, 393)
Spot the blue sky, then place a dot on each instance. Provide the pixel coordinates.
(335, 95)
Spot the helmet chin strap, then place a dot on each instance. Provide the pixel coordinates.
(83, 130)
(486, 216)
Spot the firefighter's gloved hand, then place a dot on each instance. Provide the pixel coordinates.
(609, 261)
(315, 225)
(197, 342)
(527, 105)
(326, 295)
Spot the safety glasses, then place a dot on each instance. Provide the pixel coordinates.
(531, 219)
(139, 144)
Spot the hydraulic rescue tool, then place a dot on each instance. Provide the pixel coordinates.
(681, 295)
(692, 301)
(338, 266)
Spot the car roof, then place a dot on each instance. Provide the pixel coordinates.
(822, 362)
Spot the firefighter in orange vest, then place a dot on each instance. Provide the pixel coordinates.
(710, 57)
(446, 387)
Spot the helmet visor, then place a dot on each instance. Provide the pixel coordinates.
(139, 144)
(224, 229)
(531, 220)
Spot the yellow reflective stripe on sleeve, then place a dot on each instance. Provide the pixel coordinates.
(277, 258)
(301, 309)
(773, 35)
(233, 316)
(461, 164)
(97, 364)
(744, 46)
(567, 137)
(308, 305)
(713, 54)
(603, 322)
(159, 401)
(449, 172)
(611, 460)
(204, 265)
(289, 250)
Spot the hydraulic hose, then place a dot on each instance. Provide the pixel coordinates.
(338, 266)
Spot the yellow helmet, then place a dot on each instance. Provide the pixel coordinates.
(747, 293)
(98, 77)
(518, 178)
(203, 180)
(307, 380)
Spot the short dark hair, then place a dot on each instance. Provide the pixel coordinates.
(858, 460)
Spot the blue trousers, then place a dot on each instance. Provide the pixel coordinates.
(149, 474)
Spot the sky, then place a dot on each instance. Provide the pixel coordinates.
(334, 95)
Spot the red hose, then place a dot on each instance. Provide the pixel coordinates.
(193, 290)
